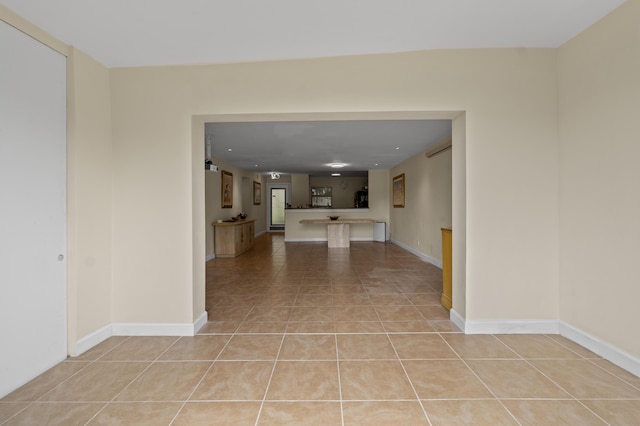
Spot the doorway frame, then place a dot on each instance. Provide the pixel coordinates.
(459, 190)
(287, 195)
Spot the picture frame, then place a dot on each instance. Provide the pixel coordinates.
(226, 189)
(398, 190)
(257, 193)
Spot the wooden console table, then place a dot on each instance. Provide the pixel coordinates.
(233, 238)
(337, 230)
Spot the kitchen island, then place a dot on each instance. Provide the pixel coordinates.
(337, 230)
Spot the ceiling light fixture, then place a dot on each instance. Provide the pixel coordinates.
(275, 175)
(337, 165)
(336, 174)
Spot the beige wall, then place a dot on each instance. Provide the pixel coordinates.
(152, 199)
(257, 211)
(510, 101)
(90, 166)
(599, 99)
(459, 217)
(380, 196)
(427, 209)
(300, 190)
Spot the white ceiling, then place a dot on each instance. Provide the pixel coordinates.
(123, 33)
(308, 146)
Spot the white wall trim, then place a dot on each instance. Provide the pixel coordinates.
(200, 322)
(210, 257)
(512, 327)
(605, 350)
(421, 255)
(93, 339)
(139, 329)
(457, 319)
(259, 233)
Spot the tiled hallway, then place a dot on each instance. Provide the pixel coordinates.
(302, 335)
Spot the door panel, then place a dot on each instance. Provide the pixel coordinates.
(278, 200)
(33, 209)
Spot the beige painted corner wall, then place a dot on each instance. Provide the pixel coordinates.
(380, 197)
(459, 216)
(428, 195)
(599, 99)
(509, 96)
(300, 190)
(90, 163)
(152, 200)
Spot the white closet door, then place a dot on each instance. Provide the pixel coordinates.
(32, 208)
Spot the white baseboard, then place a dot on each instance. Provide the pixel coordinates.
(210, 257)
(92, 339)
(457, 319)
(512, 327)
(138, 329)
(200, 322)
(421, 255)
(259, 233)
(605, 350)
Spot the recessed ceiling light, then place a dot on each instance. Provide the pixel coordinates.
(337, 165)
(336, 174)
(397, 147)
(229, 149)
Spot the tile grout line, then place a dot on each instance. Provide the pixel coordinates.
(184, 403)
(132, 380)
(413, 388)
(89, 363)
(573, 397)
(273, 369)
(335, 340)
(480, 379)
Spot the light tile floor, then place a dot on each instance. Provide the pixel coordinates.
(302, 335)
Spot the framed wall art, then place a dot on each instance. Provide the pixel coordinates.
(257, 193)
(227, 189)
(398, 191)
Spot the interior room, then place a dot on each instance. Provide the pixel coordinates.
(116, 308)
(323, 166)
